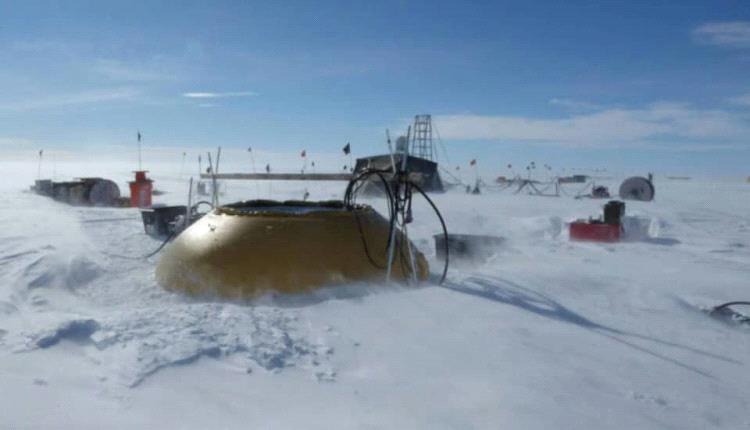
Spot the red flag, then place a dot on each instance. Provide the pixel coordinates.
(303, 154)
(473, 162)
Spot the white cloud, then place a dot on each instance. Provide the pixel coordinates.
(575, 105)
(611, 127)
(212, 95)
(741, 100)
(69, 99)
(732, 34)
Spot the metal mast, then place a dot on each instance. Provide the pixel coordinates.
(421, 140)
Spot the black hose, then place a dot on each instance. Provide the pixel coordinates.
(351, 194)
(727, 304)
(394, 202)
(163, 244)
(150, 254)
(445, 231)
(364, 241)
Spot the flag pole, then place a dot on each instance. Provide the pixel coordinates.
(252, 161)
(39, 165)
(348, 152)
(182, 166)
(140, 164)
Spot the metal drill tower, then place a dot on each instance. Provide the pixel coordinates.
(421, 138)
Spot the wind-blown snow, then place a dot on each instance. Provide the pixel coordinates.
(547, 334)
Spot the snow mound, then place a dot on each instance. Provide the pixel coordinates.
(133, 345)
(76, 330)
(57, 271)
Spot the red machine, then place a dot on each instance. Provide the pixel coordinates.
(140, 190)
(607, 230)
(594, 231)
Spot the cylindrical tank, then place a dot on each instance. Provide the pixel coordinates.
(101, 192)
(246, 249)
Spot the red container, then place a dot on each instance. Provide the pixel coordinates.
(596, 232)
(140, 175)
(140, 190)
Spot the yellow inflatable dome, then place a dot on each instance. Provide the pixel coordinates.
(246, 249)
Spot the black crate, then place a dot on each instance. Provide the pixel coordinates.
(614, 210)
(467, 246)
(159, 221)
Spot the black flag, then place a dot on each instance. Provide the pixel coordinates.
(40, 152)
(347, 148)
(268, 168)
(139, 136)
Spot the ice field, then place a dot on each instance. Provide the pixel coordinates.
(548, 334)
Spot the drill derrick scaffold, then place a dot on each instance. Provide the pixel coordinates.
(421, 141)
(418, 148)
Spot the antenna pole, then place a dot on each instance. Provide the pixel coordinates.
(402, 209)
(390, 150)
(392, 239)
(189, 210)
(182, 165)
(218, 156)
(39, 165)
(214, 194)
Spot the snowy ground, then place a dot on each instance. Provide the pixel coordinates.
(547, 334)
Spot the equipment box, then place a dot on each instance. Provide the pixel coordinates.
(160, 221)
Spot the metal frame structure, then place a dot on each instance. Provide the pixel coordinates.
(422, 145)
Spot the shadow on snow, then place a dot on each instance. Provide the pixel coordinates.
(510, 293)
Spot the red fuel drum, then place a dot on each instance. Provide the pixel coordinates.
(140, 190)
(596, 232)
